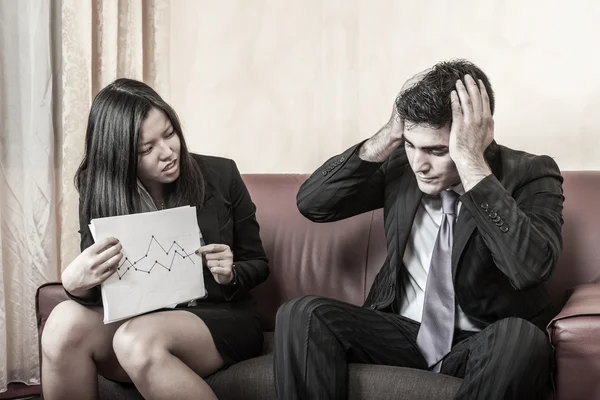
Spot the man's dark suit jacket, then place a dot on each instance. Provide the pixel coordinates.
(507, 236)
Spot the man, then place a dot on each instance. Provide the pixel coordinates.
(473, 231)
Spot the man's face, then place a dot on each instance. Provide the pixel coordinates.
(428, 156)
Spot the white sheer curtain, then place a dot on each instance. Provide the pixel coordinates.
(103, 40)
(94, 42)
(28, 199)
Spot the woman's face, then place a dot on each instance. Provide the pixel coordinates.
(158, 150)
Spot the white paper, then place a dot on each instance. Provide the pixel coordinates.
(159, 267)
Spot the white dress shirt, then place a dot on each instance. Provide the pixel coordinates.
(417, 259)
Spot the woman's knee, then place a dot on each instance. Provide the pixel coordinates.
(137, 347)
(68, 330)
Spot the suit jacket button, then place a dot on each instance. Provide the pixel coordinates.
(485, 206)
(493, 214)
(496, 219)
(342, 158)
(504, 229)
(372, 306)
(325, 172)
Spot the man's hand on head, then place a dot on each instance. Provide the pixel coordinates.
(472, 130)
(379, 147)
(414, 80)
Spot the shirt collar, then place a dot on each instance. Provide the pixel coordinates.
(458, 189)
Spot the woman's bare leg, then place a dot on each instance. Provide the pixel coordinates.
(166, 354)
(76, 347)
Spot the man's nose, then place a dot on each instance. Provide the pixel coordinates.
(420, 162)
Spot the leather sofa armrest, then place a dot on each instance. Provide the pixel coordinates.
(575, 336)
(583, 300)
(47, 297)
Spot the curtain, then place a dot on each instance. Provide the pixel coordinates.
(43, 115)
(103, 40)
(28, 196)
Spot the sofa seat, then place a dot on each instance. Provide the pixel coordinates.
(253, 380)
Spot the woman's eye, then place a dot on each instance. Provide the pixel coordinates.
(146, 151)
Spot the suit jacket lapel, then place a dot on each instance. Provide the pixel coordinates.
(407, 203)
(464, 228)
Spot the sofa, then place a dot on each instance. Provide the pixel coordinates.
(341, 259)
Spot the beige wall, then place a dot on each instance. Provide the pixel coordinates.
(281, 85)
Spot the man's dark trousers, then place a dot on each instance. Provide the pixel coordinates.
(316, 338)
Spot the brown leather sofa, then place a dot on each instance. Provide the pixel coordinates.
(341, 259)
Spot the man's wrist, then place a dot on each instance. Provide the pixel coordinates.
(472, 170)
(379, 147)
(369, 151)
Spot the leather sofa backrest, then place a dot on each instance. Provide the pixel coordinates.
(305, 257)
(580, 259)
(341, 259)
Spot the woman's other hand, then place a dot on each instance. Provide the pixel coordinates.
(219, 260)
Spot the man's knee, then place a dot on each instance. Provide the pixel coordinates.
(298, 317)
(299, 311)
(67, 330)
(524, 337)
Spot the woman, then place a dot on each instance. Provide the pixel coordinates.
(136, 160)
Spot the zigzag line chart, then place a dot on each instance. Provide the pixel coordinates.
(122, 269)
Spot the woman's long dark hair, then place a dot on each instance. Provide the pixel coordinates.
(107, 176)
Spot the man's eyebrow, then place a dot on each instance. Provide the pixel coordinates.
(428, 148)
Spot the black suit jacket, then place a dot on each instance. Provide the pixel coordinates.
(507, 236)
(227, 217)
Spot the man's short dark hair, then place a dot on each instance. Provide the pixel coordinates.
(428, 102)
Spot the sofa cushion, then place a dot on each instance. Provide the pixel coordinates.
(109, 390)
(253, 380)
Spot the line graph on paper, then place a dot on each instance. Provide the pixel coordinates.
(155, 250)
(159, 268)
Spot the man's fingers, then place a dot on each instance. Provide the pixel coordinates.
(465, 100)
(212, 248)
(485, 100)
(415, 79)
(456, 108)
(474, 94)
